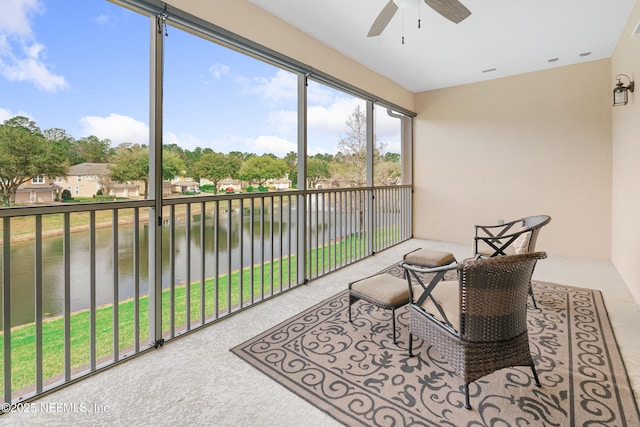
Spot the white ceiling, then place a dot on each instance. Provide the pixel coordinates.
(511, 36)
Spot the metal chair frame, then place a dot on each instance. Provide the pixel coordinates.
(499, 237)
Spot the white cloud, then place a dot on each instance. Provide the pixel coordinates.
(21, 58)
(281, 87)
(117, 128)
(172, 138)
(185, 140)
(332, 119)
(15, 16)
(327, 112)
(103, 19)
(388, 129)
(5, 115)
(29, 67)
(318, 94)
(218, 70)
(284, 122)
(326, 122)
(272, 144)
(8, 114)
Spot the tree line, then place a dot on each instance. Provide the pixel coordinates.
(26, 151)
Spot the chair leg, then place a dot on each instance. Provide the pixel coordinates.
(350, 302)
(535, 375)
(393, 323)
(466, 396)
(533, 299)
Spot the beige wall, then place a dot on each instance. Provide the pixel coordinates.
(247, 20)
(537, 143)
(626, 161)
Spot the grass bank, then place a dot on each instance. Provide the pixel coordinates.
(218, 294)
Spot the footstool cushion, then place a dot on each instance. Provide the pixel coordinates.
(429, 258)
(383, 289)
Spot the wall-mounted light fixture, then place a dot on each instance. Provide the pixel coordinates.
(621, 92)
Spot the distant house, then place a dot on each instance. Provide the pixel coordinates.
(279, 184)
(224, 184)
(183, 183)
(167, 188)
(86, 179)
(39, 189)
(127, 189)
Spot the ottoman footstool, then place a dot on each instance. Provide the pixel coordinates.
(382, 290)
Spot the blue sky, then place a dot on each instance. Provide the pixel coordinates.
(83, 66)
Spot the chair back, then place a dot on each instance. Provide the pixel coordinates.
(493, 296)
(535, 223)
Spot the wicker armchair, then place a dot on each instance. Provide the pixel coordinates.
(479, 322)
(514, 237)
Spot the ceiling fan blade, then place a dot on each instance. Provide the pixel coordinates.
(453, 10)
(383, 19)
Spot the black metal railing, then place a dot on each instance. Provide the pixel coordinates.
(75, 278)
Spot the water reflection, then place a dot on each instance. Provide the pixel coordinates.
(271, 231)
(229, 233)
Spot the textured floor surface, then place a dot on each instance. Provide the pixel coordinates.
(196, 380)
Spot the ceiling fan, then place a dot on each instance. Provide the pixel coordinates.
(453, 10)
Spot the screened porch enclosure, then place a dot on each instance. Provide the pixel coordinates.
(85, 286)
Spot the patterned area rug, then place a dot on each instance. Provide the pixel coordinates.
(355, 373)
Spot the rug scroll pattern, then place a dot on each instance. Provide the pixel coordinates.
(355, 372)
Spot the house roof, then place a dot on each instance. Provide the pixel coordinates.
(29, 187)
(84, 169)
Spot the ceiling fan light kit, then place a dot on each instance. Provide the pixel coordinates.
(453, 10)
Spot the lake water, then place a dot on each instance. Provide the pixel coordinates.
(23, 265)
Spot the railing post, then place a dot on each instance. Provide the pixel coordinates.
(38, 302)
(6, 306)
(66, 254)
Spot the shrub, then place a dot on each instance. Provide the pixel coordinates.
(250, 189)
(66, 195)
(263, 189)
(99, 192)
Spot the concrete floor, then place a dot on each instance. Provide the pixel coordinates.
(196, 380)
